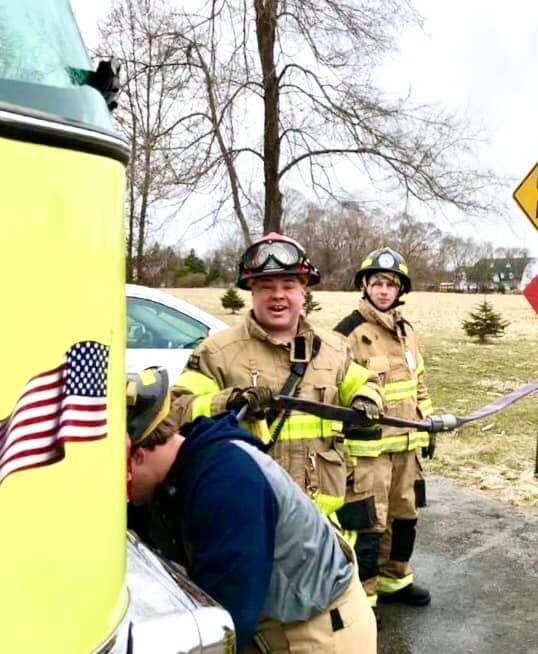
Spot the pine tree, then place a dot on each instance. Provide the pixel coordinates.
(232, 300)
(309, 303)
(194, 264)
(484, 322)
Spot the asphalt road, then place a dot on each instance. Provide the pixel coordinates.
(479, 559)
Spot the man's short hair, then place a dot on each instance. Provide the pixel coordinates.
(161, 434)
(375, 275)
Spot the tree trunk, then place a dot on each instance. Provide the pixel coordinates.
(139, 267)
(228, 159)
(266, 21)
(131, 226)
(147, 169)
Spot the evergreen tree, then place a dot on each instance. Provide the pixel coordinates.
(232, 300)
(194, 264)
(484, 322)
(309, 303)
(214, 273)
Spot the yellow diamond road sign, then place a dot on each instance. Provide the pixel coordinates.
(526, 195)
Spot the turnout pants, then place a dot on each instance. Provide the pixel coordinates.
(381, 508)
(346, 627)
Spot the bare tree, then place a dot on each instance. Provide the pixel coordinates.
(222, 94)
(420, 244)
(215, 138)
(458, 254)
(306, 68)
(139, 32)
(337, 236)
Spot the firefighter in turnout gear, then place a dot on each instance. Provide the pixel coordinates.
(276, 351)
(387, 483)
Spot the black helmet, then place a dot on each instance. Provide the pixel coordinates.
(148, 402)
(384, 260)
(275, 254)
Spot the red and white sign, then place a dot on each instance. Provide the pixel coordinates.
(531, 293)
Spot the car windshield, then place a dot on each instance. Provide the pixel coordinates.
(154, 325)
(44, 64)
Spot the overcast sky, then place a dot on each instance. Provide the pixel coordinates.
(473, 56)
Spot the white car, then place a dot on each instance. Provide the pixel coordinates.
(163, 330)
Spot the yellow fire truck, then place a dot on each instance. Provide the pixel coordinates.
(62, 416)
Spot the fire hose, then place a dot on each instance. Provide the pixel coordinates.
(432, 424)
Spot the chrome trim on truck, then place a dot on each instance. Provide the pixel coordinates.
(168, 613)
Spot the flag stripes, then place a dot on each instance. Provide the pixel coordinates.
(61, 405)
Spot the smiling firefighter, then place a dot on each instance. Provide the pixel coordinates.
(276, 351)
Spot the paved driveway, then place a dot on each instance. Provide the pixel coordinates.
(479, 559)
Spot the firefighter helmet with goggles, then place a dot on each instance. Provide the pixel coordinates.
(384, 260)
(148, 402)
(275, 254)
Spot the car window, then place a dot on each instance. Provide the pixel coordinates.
(154, 325)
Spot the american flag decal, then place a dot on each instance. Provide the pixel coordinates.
(62, 405)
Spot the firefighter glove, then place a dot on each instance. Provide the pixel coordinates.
(428, 452)
(368, 409)
(256, 398)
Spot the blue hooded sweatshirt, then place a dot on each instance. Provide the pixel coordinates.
(245, 532)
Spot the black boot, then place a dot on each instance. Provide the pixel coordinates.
(412, 595)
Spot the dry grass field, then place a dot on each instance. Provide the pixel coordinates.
(496, 455)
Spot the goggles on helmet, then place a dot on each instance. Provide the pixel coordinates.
(283, 253)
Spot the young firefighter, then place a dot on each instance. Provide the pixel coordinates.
(245, 532)
(276, 351)
(387, 484)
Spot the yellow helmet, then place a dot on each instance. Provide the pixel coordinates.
(384, 260)
(148, 402)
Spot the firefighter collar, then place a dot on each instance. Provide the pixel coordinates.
(388, 319)
(301, 346)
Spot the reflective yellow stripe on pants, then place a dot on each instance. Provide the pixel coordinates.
(389, 585)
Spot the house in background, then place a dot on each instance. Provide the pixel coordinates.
(504, 274)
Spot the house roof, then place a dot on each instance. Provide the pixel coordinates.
(513, 265)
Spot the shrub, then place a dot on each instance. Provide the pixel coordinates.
(484, 322)
(232, 300)
(190, 280)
